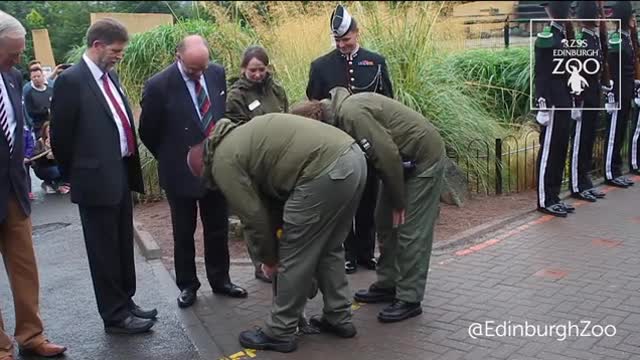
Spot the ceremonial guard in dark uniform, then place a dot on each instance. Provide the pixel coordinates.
(359, 70)
(634, 136)
(586, 121)
(551, 92)
(621, 63)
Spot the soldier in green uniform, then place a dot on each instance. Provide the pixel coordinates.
(358, 69)
(282, 168)
(406, 150)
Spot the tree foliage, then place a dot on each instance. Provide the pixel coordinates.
(68, 21)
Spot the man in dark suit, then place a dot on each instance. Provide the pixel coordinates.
(93, 139)
(16, 244)
(180, 106)
(359, 70)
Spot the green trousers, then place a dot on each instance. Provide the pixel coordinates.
(405, 252)
(317, 218)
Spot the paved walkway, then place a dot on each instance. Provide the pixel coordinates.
(68, 305)
(580, 274)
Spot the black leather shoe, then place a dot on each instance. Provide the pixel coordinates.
(350, 267)
(258, 340)
(130, 325)
(555, 210)
(568, 208)
(187, 298)
(585, 195)
(370, 264)
(347, 330)
(143, 314)
(230, 290)
(617, 182)
(597, 193)
(375, 295)
(399, 310)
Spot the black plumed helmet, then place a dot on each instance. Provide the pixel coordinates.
(587, 10)
(622, 11)
(559, 9)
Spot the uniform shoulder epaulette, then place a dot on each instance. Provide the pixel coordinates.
(614, 41)
(545, 38)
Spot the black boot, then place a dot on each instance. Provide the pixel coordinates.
(585, 196)
(568, 208)
(399, 310)
(344, 331)
(370, 264)
(350, 267)
(555, 210)
(258, 340)
(597, 193)
(375, 294)
(617, 182)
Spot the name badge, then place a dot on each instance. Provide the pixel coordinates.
(254, 105)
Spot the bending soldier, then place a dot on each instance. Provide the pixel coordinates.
(406, 150)
(315, 173)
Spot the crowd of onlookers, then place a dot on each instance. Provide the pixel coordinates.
(36, 103)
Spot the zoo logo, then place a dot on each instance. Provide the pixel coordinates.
(575, 66)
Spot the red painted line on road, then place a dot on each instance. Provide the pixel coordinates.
(541, 220)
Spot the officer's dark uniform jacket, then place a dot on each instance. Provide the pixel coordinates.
(363, 71)
(551, 87)
(592, 94)
(621, 48)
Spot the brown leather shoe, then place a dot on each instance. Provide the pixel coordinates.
(46, 349)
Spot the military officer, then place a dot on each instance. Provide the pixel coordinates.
(314, 174)
(551, 92)
(621, 63)
(407, 151)
(586, 121)
(359, 70)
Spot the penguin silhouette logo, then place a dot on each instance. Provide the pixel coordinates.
(576, 81)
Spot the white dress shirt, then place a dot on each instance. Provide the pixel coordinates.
(97, 75)
(192, 88)
(8, 106)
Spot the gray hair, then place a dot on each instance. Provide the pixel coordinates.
(10, 27)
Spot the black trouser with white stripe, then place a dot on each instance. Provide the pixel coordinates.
(616, 129)
(554, 141)
(634, 151)
(581, 156)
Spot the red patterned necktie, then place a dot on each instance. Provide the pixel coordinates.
(128, 132)
(204, 106)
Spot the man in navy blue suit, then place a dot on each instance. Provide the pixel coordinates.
(180, 106)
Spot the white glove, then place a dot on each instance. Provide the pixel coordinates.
(543, 116)
(576, 112)
(610, 105)
(608, 88)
